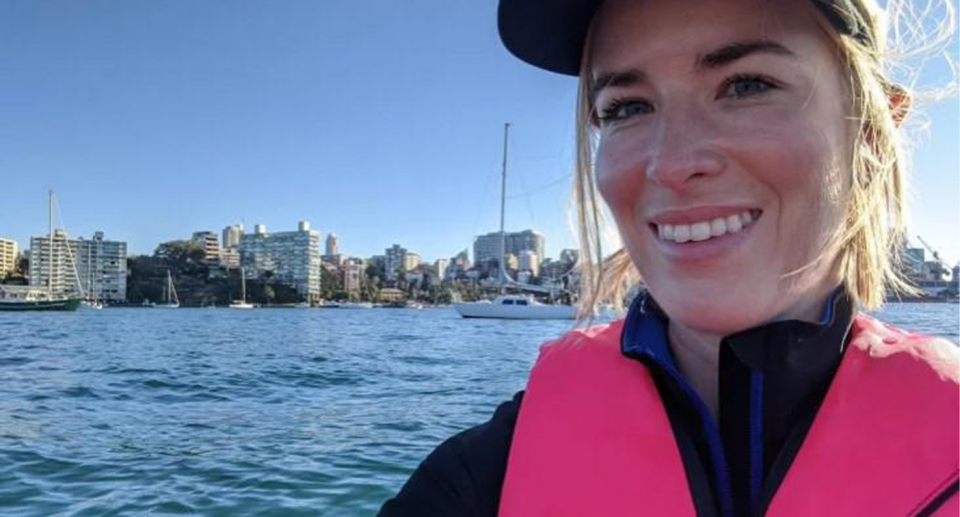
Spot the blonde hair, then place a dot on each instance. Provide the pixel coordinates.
(868, 246)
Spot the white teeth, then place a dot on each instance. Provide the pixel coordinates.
(718, 227)
(667, 231)
(703, 230)
(700, 232)
(733, 223)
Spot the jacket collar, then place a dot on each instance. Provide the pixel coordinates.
(645, 332)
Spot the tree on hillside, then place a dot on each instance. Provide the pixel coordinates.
(183, 257)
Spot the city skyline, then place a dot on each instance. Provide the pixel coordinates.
(380, 123)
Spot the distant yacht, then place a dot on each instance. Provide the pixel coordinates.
(170, 299)
(516, 307)
(23, 298)
(513, 306)
(242, 302)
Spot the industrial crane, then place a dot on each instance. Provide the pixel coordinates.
(936, 256)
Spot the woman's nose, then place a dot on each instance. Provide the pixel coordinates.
(683, 153)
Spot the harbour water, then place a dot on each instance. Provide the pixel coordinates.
(266, 412)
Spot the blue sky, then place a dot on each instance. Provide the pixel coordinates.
(380, 121)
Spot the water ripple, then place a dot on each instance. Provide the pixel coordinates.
(131, 412)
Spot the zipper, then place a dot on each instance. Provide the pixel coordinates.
(715, 444)
(756, 439)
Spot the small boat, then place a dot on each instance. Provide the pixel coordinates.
(22, 298)
(242, 302)
(91, 305)
(355, 305)
(30, 299)
(515, 307)
(171, 301)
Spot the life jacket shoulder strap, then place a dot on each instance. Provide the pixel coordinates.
(575, 450)
(885, 440)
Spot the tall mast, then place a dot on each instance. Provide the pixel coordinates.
(50, 245)
(503, 204)
(243, 284)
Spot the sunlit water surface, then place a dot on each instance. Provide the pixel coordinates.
(266, 412)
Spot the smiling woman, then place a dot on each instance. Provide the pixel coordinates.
(750, 156)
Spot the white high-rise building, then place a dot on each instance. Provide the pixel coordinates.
(333, 245)
(411, 260)
(292, 258)
(529, 261)
(230, 248)
(231, 236)
(487, 247)
(441, 266)
(97, 268)
(9, 253)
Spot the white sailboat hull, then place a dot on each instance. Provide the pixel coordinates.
(516, 312)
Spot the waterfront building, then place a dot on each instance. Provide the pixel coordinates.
(513, 263)
(396, 257)
(208, 242)
(487, 246)
(9, 254)
(529, 261)
(441, 266)
(291, 258)
(231, 236)
(230, 258)
(351, 275)
(333, 246)
(569, 256)
(336, 260)
(411, 261)
(391, 294)
(97, 267)
(462, 261)
(913, 261)
(230, 246)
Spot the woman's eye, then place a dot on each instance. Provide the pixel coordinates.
(621, 110)
(740, 87)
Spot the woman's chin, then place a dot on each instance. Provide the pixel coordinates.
(719, 317)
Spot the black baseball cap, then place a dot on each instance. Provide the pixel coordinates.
(550, 34)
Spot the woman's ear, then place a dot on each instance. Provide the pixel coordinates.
(900, 102)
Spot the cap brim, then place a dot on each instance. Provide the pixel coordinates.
(550, 34)
(551, 37)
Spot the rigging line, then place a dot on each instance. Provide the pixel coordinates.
(526, 197)
(66, 244)
(486, 189)
(561, 179)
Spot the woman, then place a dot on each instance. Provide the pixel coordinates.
(748, 153)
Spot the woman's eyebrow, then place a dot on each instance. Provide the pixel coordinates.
(717, 58)
(629, 77)
(739, 49)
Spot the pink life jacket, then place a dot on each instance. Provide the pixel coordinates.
(593, 437)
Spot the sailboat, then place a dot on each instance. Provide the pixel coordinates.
(513, 306)
(91, 301)
(242, 302)
(18, 298)
(170, 299)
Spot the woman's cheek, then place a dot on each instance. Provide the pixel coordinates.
(619, 173)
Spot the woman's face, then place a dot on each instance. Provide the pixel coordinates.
(724, 139)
